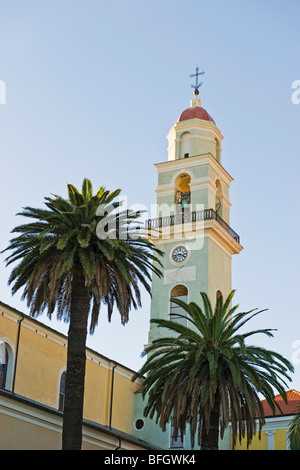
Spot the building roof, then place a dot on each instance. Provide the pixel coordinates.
(289, 408)
(195, 112)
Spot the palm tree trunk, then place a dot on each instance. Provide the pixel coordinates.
(76, 358)
(210, 440)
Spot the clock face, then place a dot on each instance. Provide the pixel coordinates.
(179, 254)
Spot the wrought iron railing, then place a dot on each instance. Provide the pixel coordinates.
(187, 216)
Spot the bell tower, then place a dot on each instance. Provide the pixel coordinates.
(192, 221)
(192, 227)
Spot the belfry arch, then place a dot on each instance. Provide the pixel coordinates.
(183, 190)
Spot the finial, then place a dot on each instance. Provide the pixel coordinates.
(197, 85)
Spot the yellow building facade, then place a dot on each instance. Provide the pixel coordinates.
(274, 435)
(32, 365)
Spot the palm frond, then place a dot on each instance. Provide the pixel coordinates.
(61, 241)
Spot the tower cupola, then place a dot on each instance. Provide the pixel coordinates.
(194, 133)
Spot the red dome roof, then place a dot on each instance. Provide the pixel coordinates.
(195, 112)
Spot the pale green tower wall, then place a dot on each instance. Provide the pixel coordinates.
(212, 268)
(160, 303)
(151, 432)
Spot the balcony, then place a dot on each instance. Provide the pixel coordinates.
(186, 217)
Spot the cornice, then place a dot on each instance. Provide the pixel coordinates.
(199, 183)
(185, 163)
(197, 230)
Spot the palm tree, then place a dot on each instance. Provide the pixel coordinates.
(206, 376)
(294, 431)
(76, 255)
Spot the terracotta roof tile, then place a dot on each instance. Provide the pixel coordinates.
(289, 408)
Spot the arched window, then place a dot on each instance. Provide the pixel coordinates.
(183, 191)
(218, 294)
(177, 443)
(62, 391)
(185, 145)
(217, 143)
(179, 292)
(5, 365)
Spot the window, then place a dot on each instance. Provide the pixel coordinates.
(179, 292)
(62, 391)
(178, 442)
(185, 145)
(5, 365)
(219, 294)
(183, 192)
(139, 424)
(186, 155)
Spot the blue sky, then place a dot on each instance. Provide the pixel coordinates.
(92, 89)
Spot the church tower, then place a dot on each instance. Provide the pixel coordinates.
(192, 227)
(192, 221)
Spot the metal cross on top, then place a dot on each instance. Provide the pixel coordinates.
(197, 85)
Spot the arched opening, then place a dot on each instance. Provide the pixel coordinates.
(62, 391)
(218, 294)
(185, 149)
(218, 150)
(218, 198)
(179, 292)
(6, 365)
(183, 191)
(178, 442)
